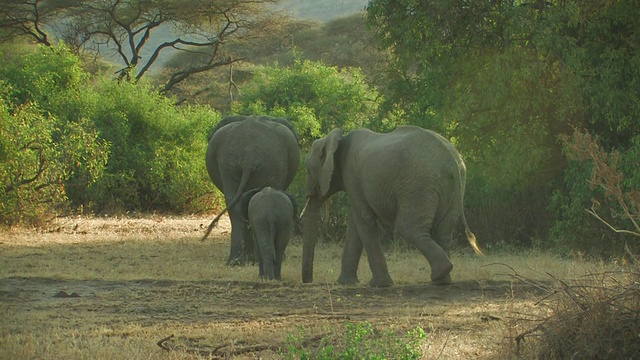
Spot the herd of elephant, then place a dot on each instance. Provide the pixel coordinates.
(411, 180)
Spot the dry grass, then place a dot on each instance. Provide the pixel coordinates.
(595, 316)
(141, 280)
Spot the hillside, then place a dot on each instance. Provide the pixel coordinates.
(322, 11)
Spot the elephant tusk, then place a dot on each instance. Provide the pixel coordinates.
(304, 208)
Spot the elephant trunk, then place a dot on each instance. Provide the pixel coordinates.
(311, 222)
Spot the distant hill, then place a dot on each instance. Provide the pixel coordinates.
(322, 10)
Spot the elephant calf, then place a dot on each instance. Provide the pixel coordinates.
(271, 214)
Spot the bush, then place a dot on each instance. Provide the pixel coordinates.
(360, 341)
(603, 194)
(314, 97)
(156, 162)
(94, 144)
(47, 138)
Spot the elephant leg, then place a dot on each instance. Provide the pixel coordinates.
(443, 232)
(239, 237)
(249, 249)
(282, 240)
(415, 226)
(371, 239)
(443, 240)
(351, 255)
(261, 265)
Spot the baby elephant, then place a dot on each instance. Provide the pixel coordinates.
(271, 215)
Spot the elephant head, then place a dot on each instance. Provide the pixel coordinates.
(320, 186)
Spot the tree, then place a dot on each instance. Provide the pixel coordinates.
(30, 18)
(314, 97)
(139, 33)
(504, 79)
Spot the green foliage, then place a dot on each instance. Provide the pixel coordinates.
(46, 138)
(504, 80)
(103, 145)
(601, 188)
(314, 97)
(360, 341)
(156, 161)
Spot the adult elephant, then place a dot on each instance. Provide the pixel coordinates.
(411, 180)
(247, 152)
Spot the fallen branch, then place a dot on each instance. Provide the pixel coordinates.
(215, 352)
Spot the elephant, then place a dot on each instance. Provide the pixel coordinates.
(271, 214)
(410, 180)
(247, 152)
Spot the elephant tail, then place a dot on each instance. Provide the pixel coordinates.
(241, 188)
(471, 238)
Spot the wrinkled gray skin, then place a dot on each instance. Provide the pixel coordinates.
(411, 180)
(271, 214)
(247, 152)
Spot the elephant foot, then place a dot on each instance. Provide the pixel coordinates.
(441, 275)
(235, 261)
(347, 279)
(442, 281)
(381, 281)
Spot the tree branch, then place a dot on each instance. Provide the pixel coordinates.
(593, 213)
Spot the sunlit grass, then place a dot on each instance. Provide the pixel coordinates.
(121, 316)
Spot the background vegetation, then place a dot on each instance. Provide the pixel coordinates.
(509, 82)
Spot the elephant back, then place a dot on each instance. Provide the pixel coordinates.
(239, 118)
(248, 152)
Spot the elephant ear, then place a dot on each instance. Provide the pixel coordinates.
(244, 202)
(329, 147)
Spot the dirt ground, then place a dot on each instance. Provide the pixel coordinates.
(86, 288)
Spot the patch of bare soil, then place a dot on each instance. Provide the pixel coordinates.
(243, 318)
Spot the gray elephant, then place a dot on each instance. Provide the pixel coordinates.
(271, 214)
(411, 180)
(247, 152)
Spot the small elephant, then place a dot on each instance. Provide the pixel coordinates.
(247, 152)
(411, 180)
(271, 214)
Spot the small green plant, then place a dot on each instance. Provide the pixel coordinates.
(359, 341)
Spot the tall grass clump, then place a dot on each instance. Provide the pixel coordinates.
(594, 317)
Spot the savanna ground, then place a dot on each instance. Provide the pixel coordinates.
(105, 288)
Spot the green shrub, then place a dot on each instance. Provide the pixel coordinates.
(600, 183)
(156, 162)
(48, 140)
(359, 341)
(94, 144)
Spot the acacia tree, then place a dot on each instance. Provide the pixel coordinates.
(140, 32)
(30, 18)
